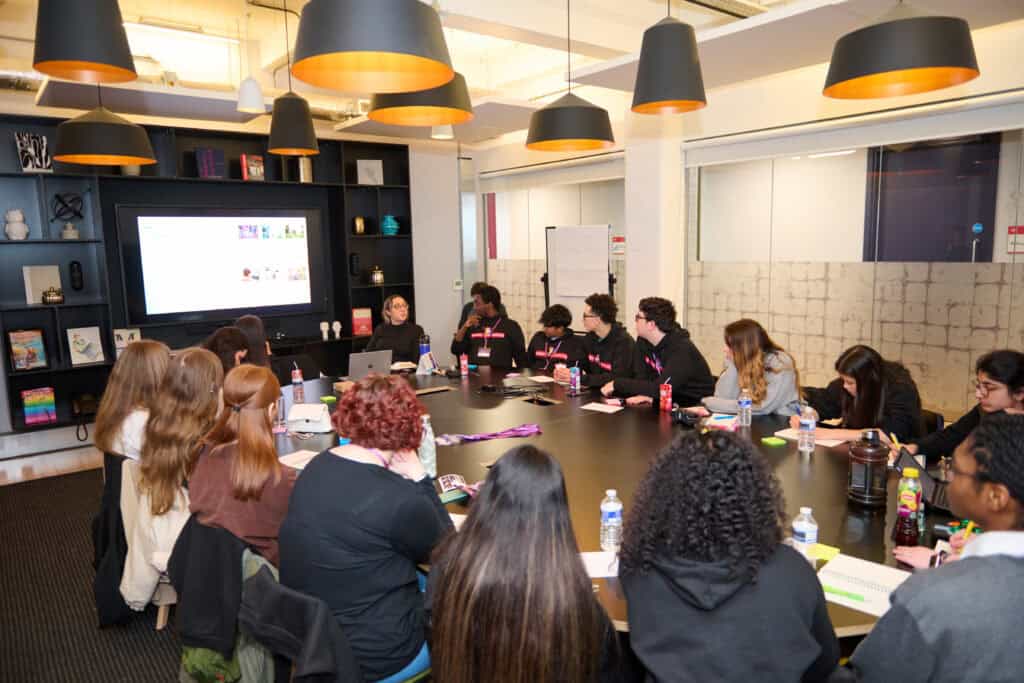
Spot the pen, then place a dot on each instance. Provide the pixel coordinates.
(723, 417)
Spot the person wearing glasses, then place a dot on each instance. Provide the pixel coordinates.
(608, 346)
(664, 355)
(556, 343)
(999, 386)
(489, 337)
(396, 333)
(961, 621)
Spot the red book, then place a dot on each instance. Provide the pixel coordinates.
(362, 322)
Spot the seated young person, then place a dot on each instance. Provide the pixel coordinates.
(256, 336)
(396, 333)
(713, 593)
(124, 409)
(363, 517)
(755, 363)
(870, 392)
(556, 342)
(490, 338)
(609, 347)
(509, 597)
(998, 386)
(237, 483)
(475, 303)
(183, 409)
(664, 355)
(230, 345)
(961, 621)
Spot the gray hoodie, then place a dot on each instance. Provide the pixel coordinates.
(782, 397)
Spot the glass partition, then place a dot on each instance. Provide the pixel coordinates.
(911, 248)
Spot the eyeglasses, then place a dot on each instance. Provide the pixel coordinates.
(986, 388)
(399, 307)
(591, 315)
(953, 472)
(638, 317)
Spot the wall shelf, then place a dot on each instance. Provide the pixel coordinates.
(13, 242)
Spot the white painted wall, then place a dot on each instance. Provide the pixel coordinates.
(437, 259)
(735, 212)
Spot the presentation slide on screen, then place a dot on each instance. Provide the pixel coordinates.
(206, 263)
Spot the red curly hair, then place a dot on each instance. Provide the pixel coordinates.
(380, 412)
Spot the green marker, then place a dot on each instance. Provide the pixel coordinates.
(844, 594)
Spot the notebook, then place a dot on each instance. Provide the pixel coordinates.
(794, 435)
(859, 584)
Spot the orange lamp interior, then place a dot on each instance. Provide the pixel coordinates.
(569, 145)
(421, 116)
(382, 72)
(669, 107)
(104, 160)
(294, 151)
(88, 72)
(901, 82)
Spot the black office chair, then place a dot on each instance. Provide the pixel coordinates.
(282, 367)
(931, 422)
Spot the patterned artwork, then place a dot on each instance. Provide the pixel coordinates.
(34, 153)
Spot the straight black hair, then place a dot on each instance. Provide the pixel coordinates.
(875, 376)
(1004, 366)
(252, 327)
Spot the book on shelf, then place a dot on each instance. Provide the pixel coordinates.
(40, 406)
(85, 346)
(252, 167)
(362, 322)
(210, 162)
(28, 350)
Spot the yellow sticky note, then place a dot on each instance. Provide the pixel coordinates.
(820, 551)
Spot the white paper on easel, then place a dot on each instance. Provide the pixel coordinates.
(580, 260)
(859, 584)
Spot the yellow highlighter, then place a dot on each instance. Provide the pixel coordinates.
(895, 440)
(969, 530)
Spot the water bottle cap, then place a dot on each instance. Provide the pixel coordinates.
(610, 493)
(911, 472)
(805, 511)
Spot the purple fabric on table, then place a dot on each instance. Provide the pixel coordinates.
(514, 432)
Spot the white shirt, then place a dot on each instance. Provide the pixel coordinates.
(996, 543)
(129, 438)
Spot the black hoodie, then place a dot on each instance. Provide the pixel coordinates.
(699, 622)
(676, 361)
(608, 358)
(545, 353)
(503, 339)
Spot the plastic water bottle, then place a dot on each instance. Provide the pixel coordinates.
(298, 392)
(746, 408)
(808, 423)
(424, 345)
(574, 380)
(428, 448)
(805, 532)
(611, 522)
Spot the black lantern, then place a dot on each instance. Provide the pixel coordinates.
(82, 41)
(442, 106)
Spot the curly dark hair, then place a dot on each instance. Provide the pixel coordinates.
(707, 498)
(997, 445)
(556, 316)
(604, 306)
(380, 411)
(659, 311)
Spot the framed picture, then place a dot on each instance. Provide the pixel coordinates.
(123, 337)
(85, 345)
(28, 351)
(369, 171)
(38, 279)
(33, 153)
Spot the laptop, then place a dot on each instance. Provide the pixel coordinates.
(362, 364)
(933, 490)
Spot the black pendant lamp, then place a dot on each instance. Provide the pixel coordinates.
(668, 78)
(291, 125)
(82, 41)
(368, 46)
(102, 138)
(903, 54)
(442, 106)
(570, 123)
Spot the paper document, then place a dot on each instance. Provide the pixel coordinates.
(457, 519)
(722, 421)
(298, 459)
(403, 365)
(794, 435)
(542, 379)
(601, 565)
(602, 408)
(859, 584)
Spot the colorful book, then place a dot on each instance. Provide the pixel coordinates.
(28, 351)
(210, 162)
(362, 322)
(252, 167)
(40, 406)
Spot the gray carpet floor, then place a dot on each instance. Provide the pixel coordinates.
(48, 627)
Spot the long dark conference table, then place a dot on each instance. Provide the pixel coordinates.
(599, 451)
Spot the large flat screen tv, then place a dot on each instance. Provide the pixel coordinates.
(197, 264)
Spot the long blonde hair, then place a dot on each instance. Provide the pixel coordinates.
(185, 407)
(249, 390)
(750, 344)
(132, 384)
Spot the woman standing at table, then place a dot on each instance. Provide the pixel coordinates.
(124, 410)
(711, 589)
(396, 333)
(510, 599)
(363, 516)
(237, 483)
(755, 363)
(870, 392)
